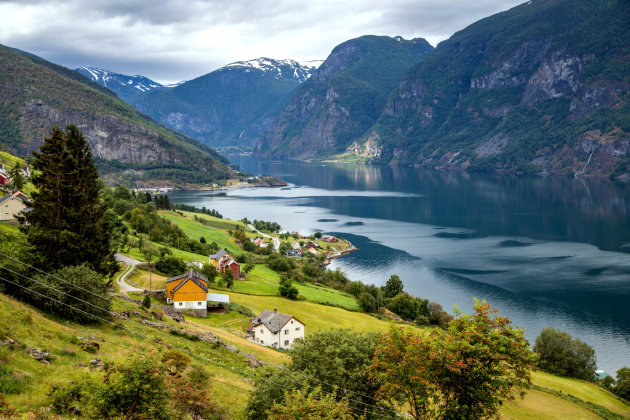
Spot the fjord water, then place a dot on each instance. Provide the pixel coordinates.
(549, 251)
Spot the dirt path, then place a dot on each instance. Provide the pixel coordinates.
(276, 241)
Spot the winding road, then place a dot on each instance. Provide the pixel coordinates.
(123, 286)
(276, 241)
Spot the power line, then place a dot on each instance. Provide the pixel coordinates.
(303, 376)
(179, 348)
(117, 345)
(332, 386)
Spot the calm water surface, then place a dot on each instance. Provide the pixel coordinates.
(544, 251)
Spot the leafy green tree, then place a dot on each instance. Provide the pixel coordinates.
(65, 225)
(228, 278)
(287, 289)
(393, 287)
(563, 355)
(79, 286)
(208, 271)
(146, 301)
(622, 386)
(300, 405)
(170, 265)
(340, 358)
(367, 302)
(465, 372)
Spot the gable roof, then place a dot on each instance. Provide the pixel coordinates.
(273, 320)
(218, 255)
(190, 275)
(18, 194)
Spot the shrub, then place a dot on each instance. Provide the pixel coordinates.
(10, 382)
(66, 397)
(171, 266)
(287, 289)
(146, 301)
(367, 302)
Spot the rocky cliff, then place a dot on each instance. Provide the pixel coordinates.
(34, 97)
(343, 98)
(541, 88)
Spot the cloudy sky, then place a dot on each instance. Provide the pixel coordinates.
(173, 40)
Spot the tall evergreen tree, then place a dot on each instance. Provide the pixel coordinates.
(17, 179)
(65, 225)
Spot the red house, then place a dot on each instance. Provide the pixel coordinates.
(4, 178)
(233, 266)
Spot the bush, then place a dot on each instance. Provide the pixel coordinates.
(287, 289)
(170, 266)
(146, 301)
(66, 397)
(82, 288)
(367, 302)
(134, 389)
(622, 387)
(563, 355)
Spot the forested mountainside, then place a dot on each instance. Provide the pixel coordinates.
(542, 87)
(36, 95)
(230, 106)
(343, 98)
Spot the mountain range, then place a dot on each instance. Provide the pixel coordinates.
(231, 106)
(540, 88)
(127, 145)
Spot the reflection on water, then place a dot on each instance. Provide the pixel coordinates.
(545, 251)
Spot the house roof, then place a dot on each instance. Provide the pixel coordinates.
(273, 320)
(218, 254)
(18, 194)
(190, 275)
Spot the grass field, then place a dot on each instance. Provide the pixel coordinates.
(541, 405)
(316, 317)
(141, 279)
(196, 230)
(583, 390)
(264, 281)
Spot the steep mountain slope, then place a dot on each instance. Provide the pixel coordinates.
(230, 106)
(542, 87)
(344, 97)
(35, 96)
(123, 85)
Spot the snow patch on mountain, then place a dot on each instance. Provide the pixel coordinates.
(282, 69)
(119, 82)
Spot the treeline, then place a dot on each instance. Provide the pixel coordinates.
(272, 227)
(193, 209)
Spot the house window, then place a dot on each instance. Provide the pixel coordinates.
(262, 331)
(286, 332)
(262, 342)
(297, 328)
(291, 322)
(286, 342)
(199, 303)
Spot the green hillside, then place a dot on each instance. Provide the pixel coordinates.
(36, 95)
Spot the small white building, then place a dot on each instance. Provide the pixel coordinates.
(275, 329)
(12, 205)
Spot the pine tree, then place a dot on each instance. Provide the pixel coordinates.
(17, 179)
(65, 225)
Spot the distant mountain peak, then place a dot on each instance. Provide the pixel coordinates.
(123, 85)
(281, 68)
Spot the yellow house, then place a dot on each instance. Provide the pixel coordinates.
(188, 291)
(12, 205)
(219, 257)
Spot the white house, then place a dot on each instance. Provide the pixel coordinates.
(275, 329)
(12, 205)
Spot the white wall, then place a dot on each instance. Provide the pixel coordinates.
(197, 304)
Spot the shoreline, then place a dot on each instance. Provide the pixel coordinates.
(336, 255)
